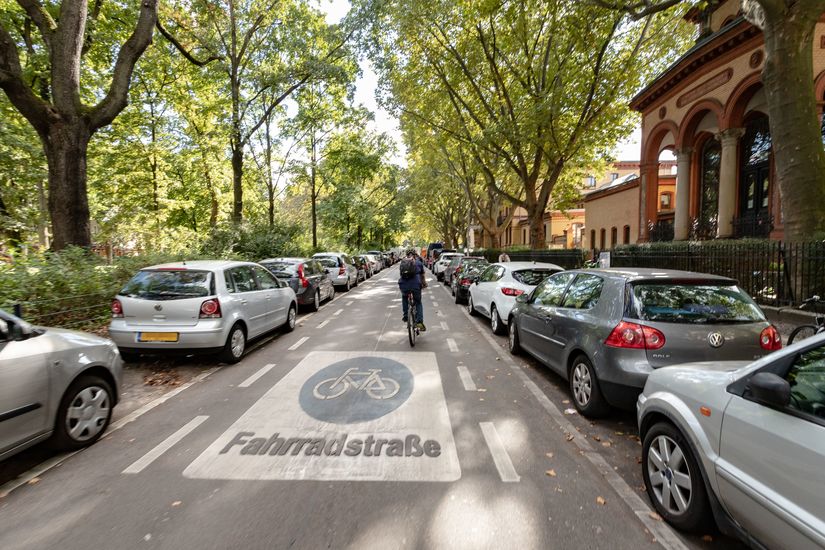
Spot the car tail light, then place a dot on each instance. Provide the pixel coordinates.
(117, 309)
(342, 270)
(465, 281)
(632, 336)
(511, 291)
(304, 281)
(770, 339)
(211, 309)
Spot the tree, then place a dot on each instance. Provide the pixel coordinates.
(799, 158)
(44, 76)
(541, 85)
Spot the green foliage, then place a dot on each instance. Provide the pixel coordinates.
(255, 242)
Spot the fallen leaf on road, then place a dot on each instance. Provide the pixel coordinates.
(569, 411)
(551, 473)
(638, 460)
(498, 358)
(490, 377)
(481, 389)
(176, 503)
(481, 399)
(600, 501)
(597, 438)
(707, 538)
(570, 436)
(606, 444)
(566, 401)
(654, 515)
(549, 455)
(619, 433)
(34, 481)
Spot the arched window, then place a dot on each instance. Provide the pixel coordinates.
(709, 196)
(592, 238)
(602, 242)
(755, 167)
(626, 235)
(614, 237)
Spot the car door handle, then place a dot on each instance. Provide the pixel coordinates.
(243, 301)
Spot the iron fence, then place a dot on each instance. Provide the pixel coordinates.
(773, 272)
(83, 311)
(570, 258)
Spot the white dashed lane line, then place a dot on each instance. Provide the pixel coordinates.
(349, 303)
(466, 379)
(140, 464)
(452, 345)
(444, 326)
(502, 460)
(338, 312)
(322, 325)
(298, 344)
(254, 378)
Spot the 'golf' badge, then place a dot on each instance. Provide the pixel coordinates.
(342, 416)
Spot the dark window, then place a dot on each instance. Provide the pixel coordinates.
(169, 285)
(614, 176)
(602, 242)
(243, 278)
(532, 277)
(592, 238)
(550, 292)
(282, 268)
(666, 201)
(626, 235)
(266, 280)
(694, 303)
(807, 379)
(709, 198)
(584, 293)
(614, 236)
(755, 166)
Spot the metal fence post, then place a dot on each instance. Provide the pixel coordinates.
(18, 310)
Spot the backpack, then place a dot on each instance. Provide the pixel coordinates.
(407, 268)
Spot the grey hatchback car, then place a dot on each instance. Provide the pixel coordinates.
(54, 383)
(742, 443)
(606, 330)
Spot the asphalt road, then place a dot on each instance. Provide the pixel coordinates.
(339, 435)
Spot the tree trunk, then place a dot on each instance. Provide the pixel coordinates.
(237, 183)
(799, 157)
(313, 193)
(42, 222)
(68, 141)
(537, 237)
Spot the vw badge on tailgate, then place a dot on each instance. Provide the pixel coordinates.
(715, 339)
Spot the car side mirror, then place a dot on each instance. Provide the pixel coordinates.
(523, 298)
(770, 389)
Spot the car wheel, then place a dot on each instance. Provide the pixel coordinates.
(291, 319)
(457, 298)
(673, 480)
(347, 286)
(470, 307)
(316, 301)
(235, 345)
(496, 324)
(331, 293)
(452, 288)
(84, 413)
(584, 385)
(513, 343)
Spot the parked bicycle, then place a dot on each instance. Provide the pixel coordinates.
(806, 331)
(412, 312)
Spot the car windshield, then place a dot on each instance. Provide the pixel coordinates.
(175, 284)
(472, 263)
(282, 268)
(701, 303)
(532, 277)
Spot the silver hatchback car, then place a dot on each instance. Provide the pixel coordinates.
(200, 306)
(743, 443)
(606, 330)
(54, 383)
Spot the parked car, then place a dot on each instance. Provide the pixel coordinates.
(494, 292)
(54, 383)
(375, 262)
(606, 330)
(362, 264)
(461, 284)
(458, 264)
(444, 260)
(201, 306)
(342, 272)
(744, 445)
(307, 278)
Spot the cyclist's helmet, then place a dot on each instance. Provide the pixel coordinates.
(410, 252)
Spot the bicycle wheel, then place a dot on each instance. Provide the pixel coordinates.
(411, 313)
(801, 332)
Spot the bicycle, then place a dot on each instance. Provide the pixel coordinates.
(374, 385)
(412, 329)
(806, 331)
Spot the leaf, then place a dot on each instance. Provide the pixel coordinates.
(601, 501)
(597, 438)
(551, 473)
(606, 444)
(549, 455)
(570, 411)
(654, 515)
(569, 436)
(34, 481)
(707, 538)
(176, 503)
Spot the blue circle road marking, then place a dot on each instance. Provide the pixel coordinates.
(359, 389)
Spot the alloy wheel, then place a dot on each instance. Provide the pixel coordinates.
(292, 316)
(238, 342)
(494, 319)
(317, 299)
(88, 413)
(582, 384)
(669, 475)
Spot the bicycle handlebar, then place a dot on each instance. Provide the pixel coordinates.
(812, 300)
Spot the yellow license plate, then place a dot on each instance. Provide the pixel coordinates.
(157, 337)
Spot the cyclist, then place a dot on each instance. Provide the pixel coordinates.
(412, 279)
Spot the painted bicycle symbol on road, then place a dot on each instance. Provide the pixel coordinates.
(370, 381)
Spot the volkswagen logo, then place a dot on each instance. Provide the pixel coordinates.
(715, 339)
(158, 307)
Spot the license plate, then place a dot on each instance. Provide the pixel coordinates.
(157, 337)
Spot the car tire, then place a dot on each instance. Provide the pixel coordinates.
(513, 342)
(331, 293)
(452, 289)
(316, 301)
(471, 309)
(85, 391)
(347, 285)
(496, 324)
(291, 318)
(584, 387)
(457, 298)
(661, 477)
(235, 345)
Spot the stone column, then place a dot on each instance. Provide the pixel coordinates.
(727, 180)
(681, 222)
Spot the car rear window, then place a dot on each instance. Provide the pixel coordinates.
(702, 303)
(328, 262)
(532, 277)
(282, 268)
(169, 285)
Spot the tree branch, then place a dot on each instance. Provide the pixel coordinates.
(178, 46)
(637, 10)
(35, 110)
(41, 18)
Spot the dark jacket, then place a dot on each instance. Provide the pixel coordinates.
(413, 283)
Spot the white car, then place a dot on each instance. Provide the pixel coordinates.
(740, 443)
(494, 293)
(201, 306)
(442, 263)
